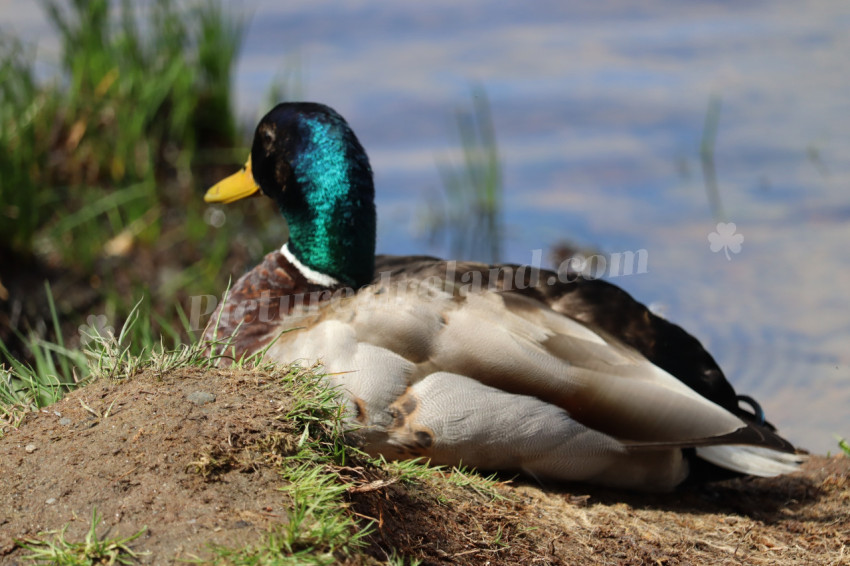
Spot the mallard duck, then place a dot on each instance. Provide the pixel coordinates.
(496, 367)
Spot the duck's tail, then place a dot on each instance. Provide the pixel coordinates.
(751, 460)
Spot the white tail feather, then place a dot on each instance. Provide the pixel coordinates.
(752, 460)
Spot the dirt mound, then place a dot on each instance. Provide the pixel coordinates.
(195, 456)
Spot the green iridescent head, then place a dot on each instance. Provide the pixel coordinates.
(306, 157)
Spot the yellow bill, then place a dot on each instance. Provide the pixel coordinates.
(238, 186)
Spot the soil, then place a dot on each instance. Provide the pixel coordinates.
(182, 454)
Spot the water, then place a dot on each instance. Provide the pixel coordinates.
(599, 111)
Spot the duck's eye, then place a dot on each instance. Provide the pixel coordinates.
(268, 134)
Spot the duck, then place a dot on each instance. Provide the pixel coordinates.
(505, 367)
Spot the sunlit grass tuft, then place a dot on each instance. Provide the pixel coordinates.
(844, 445)
(55, 369)
(92, 550)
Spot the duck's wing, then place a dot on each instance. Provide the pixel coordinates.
(597, 304)
(622, 358)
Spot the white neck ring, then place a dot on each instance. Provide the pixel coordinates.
(311, 275)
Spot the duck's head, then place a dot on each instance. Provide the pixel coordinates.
(306, 157)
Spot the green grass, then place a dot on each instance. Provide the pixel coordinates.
(100, 137)
(55, 370)
(485, 486)
(395, 560)
(319, 528)
(469, 215)
(103, 165)
(707, 161)
(102, 171)
(92, 550)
